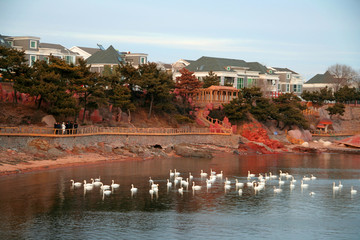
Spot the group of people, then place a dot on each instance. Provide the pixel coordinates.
(66, 128)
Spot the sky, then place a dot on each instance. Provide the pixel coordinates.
(306, 36)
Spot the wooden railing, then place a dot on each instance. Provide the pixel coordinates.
(84, 131)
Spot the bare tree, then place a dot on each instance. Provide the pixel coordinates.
(342, 75)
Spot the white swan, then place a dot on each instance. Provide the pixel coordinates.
(96, 183)
(98, 179)
(171, 174)
(292, 185)
(227, 186)
(203, 174)
(305, 178)
(312, 177)
(220, 175)
(251, 174)
(272, 176)
(151, 191)
(281, 174)
(151, 181)
(212, 172)
(287, 175)
(240, 191)
(227, 182)
(168, 184)
(250, 184)
(304, 185)
(266, 177)
(191, 176)
(133, 189)
(76, 184)
(312, 194)
(277, 190)
(335, 188)
(107, 192)
(104, 187)
(208, 183)
(181, 190)
(114, 185)
(340, 185)
(196, 187)
(212, 178)
(238, 184)
(281, 182)
(293, 180)
(88, 186)
(176, 173)
(353, 191)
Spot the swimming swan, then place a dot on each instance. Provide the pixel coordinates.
(203, 174)
(133, 189)
(76, 184)
(353, 191)
(196, 187)
(114, 185)
(277, 190)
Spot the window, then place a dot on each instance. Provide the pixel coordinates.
(228, 68)
(288, 76)
(279, 87)
(10, 43)
(143, 60)
(295, 89)
(32, 59)
(32, 44)
(68, 59)
(287, 87)
(251, 82)
(240, 83)
(270, 71)
(299, 88)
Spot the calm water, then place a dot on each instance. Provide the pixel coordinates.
(43, 205)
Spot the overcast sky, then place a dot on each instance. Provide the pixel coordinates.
(306, 36)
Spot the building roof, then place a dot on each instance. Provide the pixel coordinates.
(91, 51)
(3, 42)
(108, 56)
(206, 64)
(321, 78)
(255, 66)
(284, 70)
(63, 49)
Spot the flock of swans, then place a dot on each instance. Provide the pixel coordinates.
(179, 184)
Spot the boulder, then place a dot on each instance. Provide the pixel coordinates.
(190, 151)
(49, 120)
(55, 152)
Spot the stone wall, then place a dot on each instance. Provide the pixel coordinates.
(21, 142)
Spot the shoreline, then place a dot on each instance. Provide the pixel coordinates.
(20, 163)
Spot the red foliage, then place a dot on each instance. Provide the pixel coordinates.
(255, 132)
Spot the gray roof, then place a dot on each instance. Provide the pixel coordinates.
(63, 49)
(108, 56)
(90, 50)
(321, 78)
(284, 70)
(206, 64)
(255, 66)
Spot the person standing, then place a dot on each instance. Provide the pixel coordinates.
(63, 127)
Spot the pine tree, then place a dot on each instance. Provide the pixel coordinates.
(211, 80)
(13, 68)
